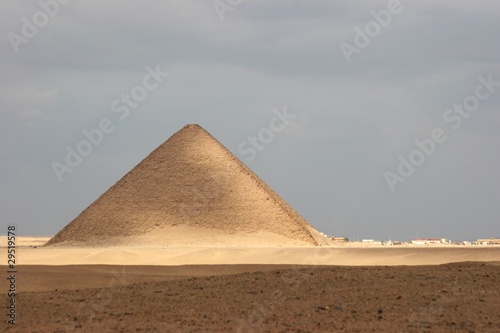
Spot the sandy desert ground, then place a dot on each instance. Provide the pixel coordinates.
(275, 289)
(255, 255)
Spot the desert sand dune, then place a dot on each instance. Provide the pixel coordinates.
(169, 256)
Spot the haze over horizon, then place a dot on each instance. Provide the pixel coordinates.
(314, 98)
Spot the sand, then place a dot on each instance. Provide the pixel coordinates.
(298, 255)
(345, 288)
(26, 241)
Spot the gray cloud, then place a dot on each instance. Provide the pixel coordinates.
(353, 120)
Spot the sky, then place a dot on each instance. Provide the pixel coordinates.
(373, 119)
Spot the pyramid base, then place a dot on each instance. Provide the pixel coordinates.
(189, 236)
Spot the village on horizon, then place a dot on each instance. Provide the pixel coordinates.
(417, 241)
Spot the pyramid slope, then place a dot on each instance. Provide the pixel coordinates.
(189, 191)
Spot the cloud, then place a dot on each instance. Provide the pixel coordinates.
(353, 120)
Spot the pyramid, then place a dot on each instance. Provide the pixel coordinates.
(190, 191)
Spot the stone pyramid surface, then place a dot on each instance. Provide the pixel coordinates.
(190, 191)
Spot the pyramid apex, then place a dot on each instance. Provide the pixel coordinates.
(192, 126)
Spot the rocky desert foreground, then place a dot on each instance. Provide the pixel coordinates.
(330, 290)
(457, 297)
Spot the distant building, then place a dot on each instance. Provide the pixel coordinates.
(371, 241)
(423, 241)
(488, 241)
(340, 239)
